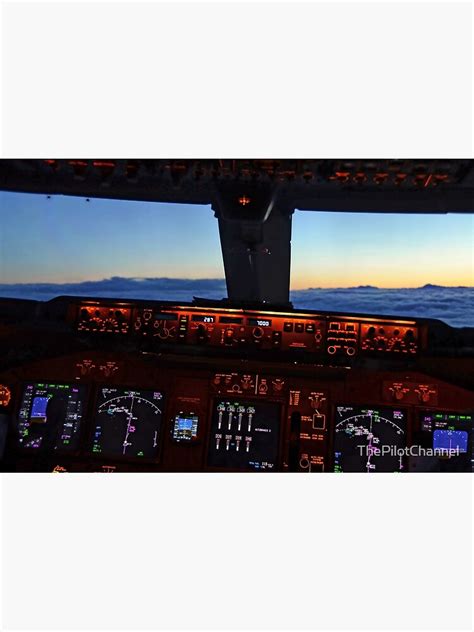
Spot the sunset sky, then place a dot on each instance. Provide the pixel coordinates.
(67, 239)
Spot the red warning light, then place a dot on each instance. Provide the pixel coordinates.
(244, 200)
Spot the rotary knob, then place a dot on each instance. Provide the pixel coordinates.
(201, 333)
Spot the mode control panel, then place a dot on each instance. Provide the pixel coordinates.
(305, 334)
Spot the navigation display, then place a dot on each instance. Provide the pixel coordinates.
(244, 435)
(50, 416)
(368, 439)
(127, 423)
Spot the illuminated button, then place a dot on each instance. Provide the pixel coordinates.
(276, 338)
(299, 328)
(288, 326)
(310, 328)
(183, 327)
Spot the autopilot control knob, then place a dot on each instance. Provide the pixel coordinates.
(201, 333)
(257, 333)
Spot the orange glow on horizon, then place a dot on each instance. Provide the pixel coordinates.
(383, 282)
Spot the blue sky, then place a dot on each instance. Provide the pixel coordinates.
(67, 239)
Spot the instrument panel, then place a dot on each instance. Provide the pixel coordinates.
(181, 415)
(153, 386)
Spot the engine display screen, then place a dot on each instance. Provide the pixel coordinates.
(244, 435)
(185, 427)
(369, 439)
(50, 416)
(127, 423)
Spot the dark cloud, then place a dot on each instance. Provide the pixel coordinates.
(454, 305)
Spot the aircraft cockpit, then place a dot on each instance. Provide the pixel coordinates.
(250, 381)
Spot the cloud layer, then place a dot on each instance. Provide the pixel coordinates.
(454, 305)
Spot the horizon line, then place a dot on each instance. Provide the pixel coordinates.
(139, 280)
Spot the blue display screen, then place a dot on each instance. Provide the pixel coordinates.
(185, 427)
(38, 409)
(450, 440)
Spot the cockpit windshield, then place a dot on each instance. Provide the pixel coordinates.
(415, 265)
